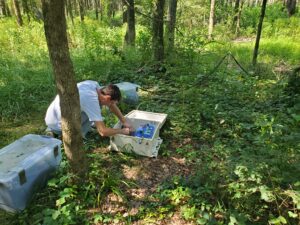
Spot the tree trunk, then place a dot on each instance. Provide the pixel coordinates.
(130, 32)
(110, 9)
(101, 9)
(158, 30)
(70, 10)
(8, 11)
(236, 11)
(211, 19)
(238, 22)
(259, 29)
(3, 8)
(26, 9)
(124, 11)
(56, 36)
(96, 2)
(171, 25)
(291, 7)
(81, 10)
(18, 12)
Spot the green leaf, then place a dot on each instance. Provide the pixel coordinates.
(202, 221)
(266, 195)
(98, 218)
(279, 220)
(55, 214)
(292, 215)
(233, 220)
(60, 201)
(52, 183)
(296, 117)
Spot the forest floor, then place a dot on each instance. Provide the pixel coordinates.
(147, 174)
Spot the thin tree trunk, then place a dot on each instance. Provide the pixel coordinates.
(291, 7)
(18, 12)
(96, 2)
(70, 10)
(237, 30)
(259, 29)
(236, 11)
(56, 36)
(8, 11)
(81, 10)
(3, 8)
(26, 9)
(130, 32)
(110, 9)
(75, 3)
(158, 31)
(211, 19)
(101, 9)
(171, 25)
(124, 11)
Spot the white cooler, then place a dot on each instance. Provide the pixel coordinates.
(25, 166)
(141, 146)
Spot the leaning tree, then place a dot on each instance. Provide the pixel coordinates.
(259, 29)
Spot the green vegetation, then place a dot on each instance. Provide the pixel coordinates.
(238, 134)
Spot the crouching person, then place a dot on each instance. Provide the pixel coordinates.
(92, 97)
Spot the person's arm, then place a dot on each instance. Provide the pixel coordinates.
(106, 131)
(115, 109)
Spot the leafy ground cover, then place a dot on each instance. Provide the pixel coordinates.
(231, 142)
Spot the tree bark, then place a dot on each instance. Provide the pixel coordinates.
(171, 25)
(124, 11)
(3, 8)
(101, 9)
(236, 11)
(18, 12)
(96, 2)
(211, 19)
(26, 9)
(238, 22)
(130, 32)
(81, 10)
(70, 10)
(111, 9)
(259, 29)
(57, 42)
(291, 7)
(158, 31)
(8, 10)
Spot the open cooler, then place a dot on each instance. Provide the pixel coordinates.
(148, 142)
(25, 166)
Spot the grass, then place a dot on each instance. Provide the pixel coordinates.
(238, 132)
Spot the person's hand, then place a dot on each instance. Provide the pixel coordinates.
(128, 125)
(126, 131)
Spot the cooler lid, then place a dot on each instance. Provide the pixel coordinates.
(127, 86)
(12, 155)
(151, 116)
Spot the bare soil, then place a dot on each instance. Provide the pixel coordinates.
(146, 174)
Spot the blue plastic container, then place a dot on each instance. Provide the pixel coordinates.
(25, 167)
(145, 131)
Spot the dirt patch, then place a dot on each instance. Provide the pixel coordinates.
(144, 175)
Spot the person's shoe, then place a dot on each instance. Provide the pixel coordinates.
(50, 134)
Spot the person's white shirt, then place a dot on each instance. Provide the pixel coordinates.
(89, 104)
